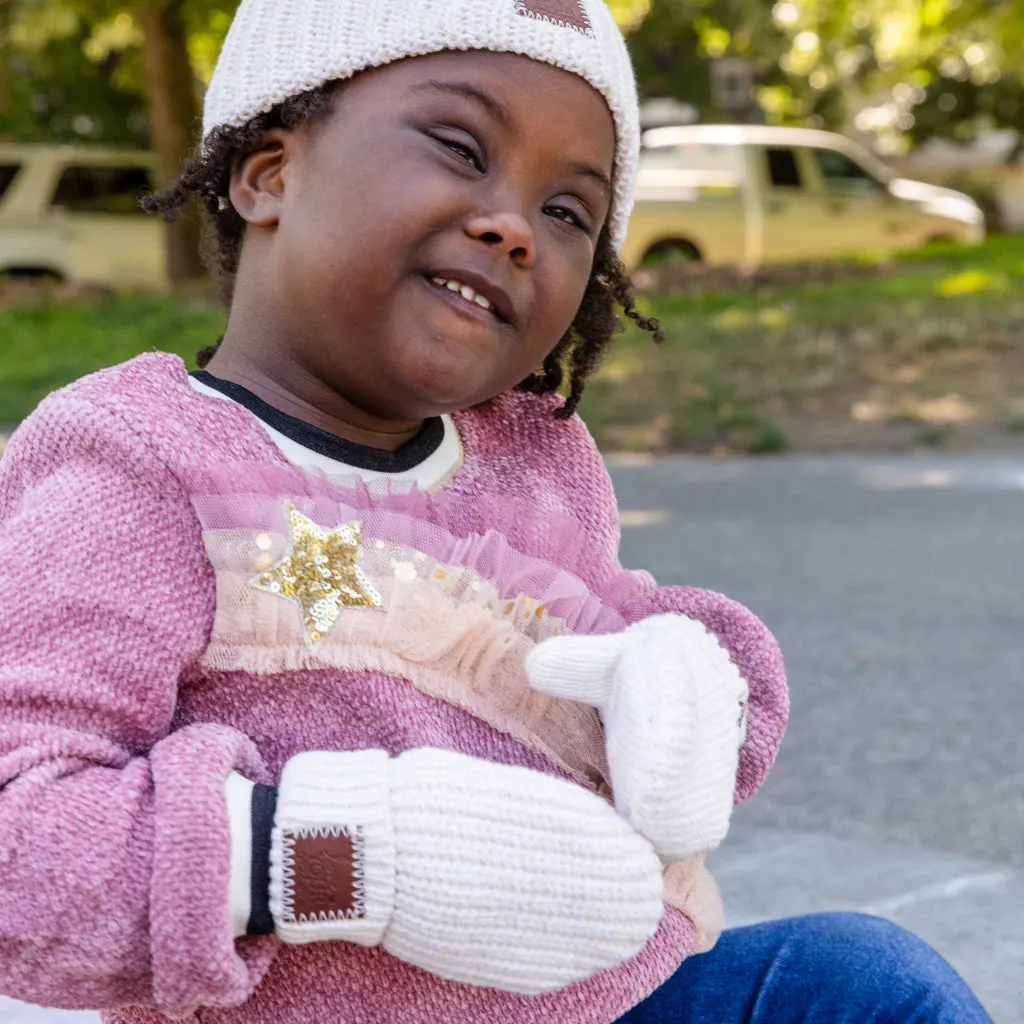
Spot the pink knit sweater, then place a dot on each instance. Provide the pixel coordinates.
(134, 676)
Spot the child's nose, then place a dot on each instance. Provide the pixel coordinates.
(510, 232)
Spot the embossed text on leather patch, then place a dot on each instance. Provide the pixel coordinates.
(569, 13)
(325, 877)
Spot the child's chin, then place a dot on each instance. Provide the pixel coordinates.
(435, 401)
(443, 387)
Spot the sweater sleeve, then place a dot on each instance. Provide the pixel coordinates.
(115, 846)
(637, 596)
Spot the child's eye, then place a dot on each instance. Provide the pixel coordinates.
(462, 149)
(570, 217)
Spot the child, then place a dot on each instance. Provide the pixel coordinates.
(318, 666)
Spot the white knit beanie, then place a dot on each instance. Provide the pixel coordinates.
(280, 48)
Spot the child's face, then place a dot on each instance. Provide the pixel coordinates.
(491, 170)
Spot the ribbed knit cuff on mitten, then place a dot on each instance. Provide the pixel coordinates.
(332, 854)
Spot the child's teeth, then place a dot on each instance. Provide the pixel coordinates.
(464, 290)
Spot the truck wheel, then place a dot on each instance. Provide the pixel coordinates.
(31, 274)
(671, 252)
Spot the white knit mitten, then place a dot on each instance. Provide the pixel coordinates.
(671, 701)
(477, 872)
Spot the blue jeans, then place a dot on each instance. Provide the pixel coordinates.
(819, 969)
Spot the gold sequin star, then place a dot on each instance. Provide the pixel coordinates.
(320, 572)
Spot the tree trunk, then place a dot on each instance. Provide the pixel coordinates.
(5, 58)
(173, 113)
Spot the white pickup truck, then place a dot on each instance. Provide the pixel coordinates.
(72, 213)
(751, 194)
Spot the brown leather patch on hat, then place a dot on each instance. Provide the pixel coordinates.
(569, 13)
(324, 875)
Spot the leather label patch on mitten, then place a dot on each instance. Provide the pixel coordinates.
(325, 876)
(569, 13)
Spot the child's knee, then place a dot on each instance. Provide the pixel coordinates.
(888, 971)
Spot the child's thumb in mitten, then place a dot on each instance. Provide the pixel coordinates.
(579, 668)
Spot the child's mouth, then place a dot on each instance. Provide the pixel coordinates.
(466, 295)
(464, 290)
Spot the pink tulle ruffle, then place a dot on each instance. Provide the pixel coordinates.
(481, 536)
(441, 627)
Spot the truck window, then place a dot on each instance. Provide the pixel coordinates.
(8, 172)
(706, 167)
(839, 172)
(783, 170)
(698, 156)
(84, 189)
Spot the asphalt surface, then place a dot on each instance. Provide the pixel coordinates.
(894, 587)
(896, 590)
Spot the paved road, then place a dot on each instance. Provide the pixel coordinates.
(895, 589)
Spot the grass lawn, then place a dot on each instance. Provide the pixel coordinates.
(925, 351)
(928, 350)
(47, 344)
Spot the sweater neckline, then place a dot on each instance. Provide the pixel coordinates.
(359, 456)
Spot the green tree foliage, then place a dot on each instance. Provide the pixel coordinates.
(673, 46)
(72, 69)
(904, 69)
(113, 72)
(76, 71)
(73, 74)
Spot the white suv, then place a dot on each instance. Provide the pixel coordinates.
(72, 212)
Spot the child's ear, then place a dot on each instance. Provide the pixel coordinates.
(258, 179)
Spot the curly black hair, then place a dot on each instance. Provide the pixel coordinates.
(207, 174)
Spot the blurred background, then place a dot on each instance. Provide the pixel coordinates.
(826, 215)
(830, 223)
